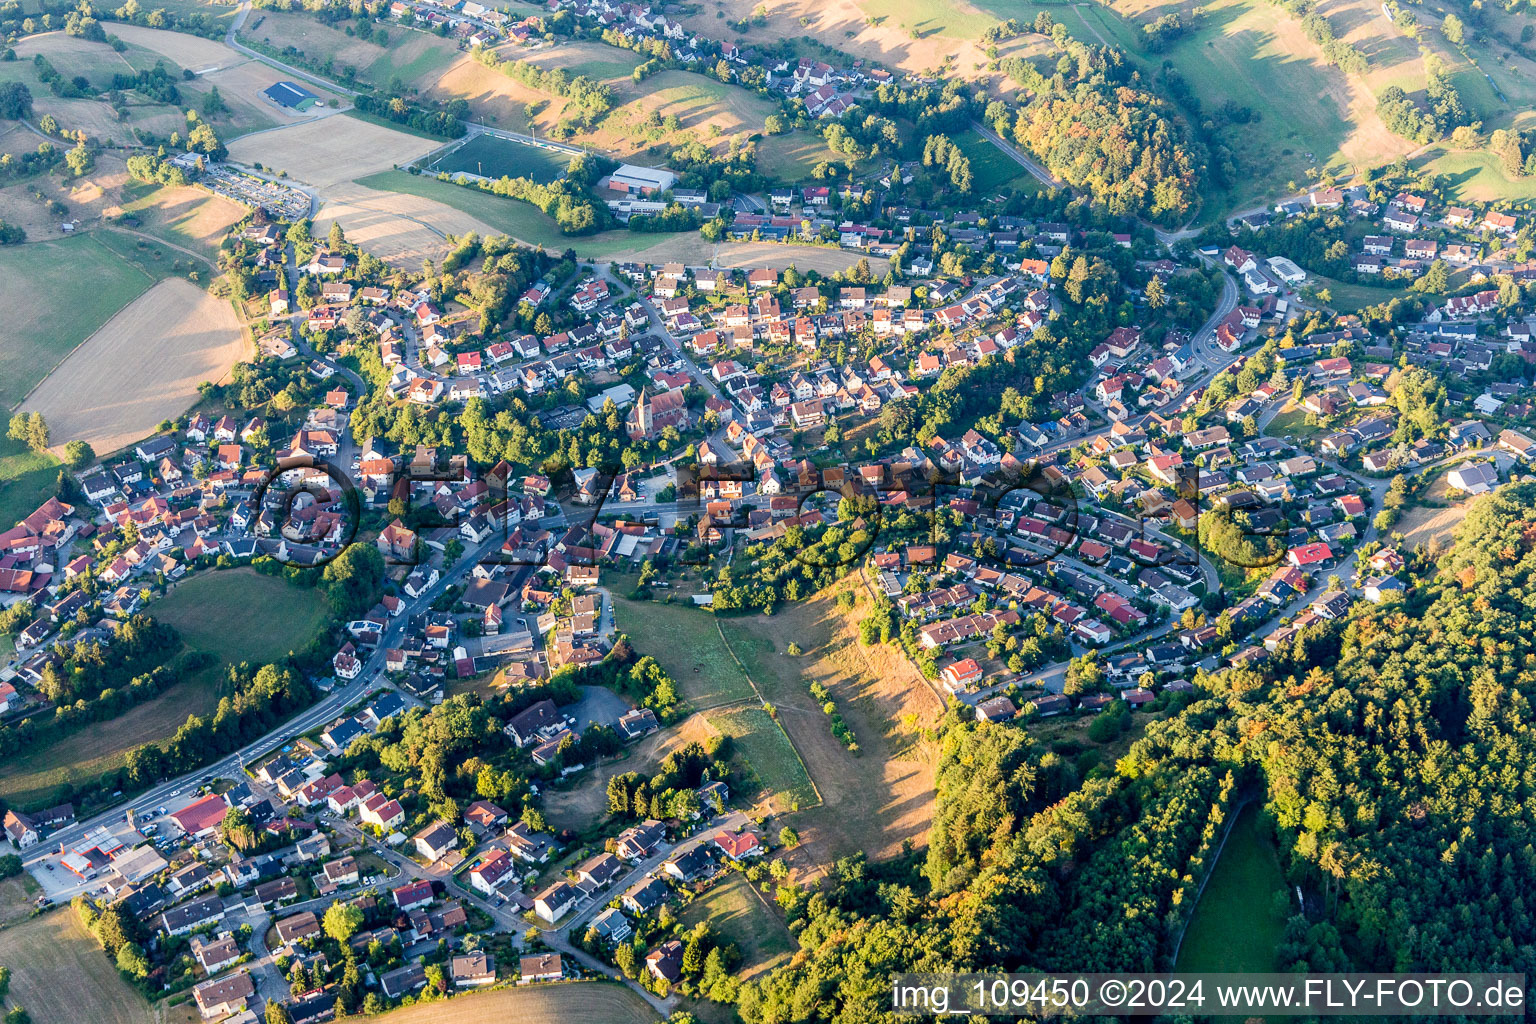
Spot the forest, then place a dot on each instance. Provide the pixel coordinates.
(1392, 756)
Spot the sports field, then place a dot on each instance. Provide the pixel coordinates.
(535, 1004)
(491, 156)
(142, 366)
(85, 283)
(59, 974)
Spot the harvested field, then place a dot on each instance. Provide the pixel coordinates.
(910, 36)
(87, 282)
(882, 796)
(1427, 527)
(401, 229)
(143, 366)
(189, 217)
(737, 913)
(587, 802)
(330, 151)
(536, 1004)
(59, 974)
(804, 257)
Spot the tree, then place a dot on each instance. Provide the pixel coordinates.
(30, 429)
(1154, 293)
(1453, 28)
(277, 1013)
(78, 454)
(80, 160)
(789, 837)
(342, 920)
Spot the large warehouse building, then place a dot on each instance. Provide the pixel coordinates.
(294, 97)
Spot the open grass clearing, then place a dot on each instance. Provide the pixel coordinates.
(687, 644)
(881, 796)
(991, 168)
(1241, 916)
(238, 615)
(534, 1004)
(1475, 176)
(794, 156)
(737, 914)
(593, 59)
(141, 367)
(242, 615)
(85, 283)
(37, 776)
(27, 479)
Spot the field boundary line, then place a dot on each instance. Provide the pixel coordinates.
(152, 282)
(820, 800)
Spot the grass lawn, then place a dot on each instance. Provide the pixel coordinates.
(242, 615)
(1350, 298)
(736, 914)
(1241, 916)
(56, 294)
(686, 642)
(1292, 421)
(1475, 176)
(526, 223)
(493, 157)
(991, 168)
(759, 739)
(59, 973)
(27, 479)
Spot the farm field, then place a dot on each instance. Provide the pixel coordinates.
(407, 55)
(490, 156)
(707, 110)
(181, 215)
(1241, 917)
(441, 201)
(141, 367)
(27, 479)
(88, 283)
(737, 914)
(16, 896)
(913, 37)
(59, 973)
(330, 151)
(535, 1004)
(594, 59)
(882, 796)
(242, 615)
